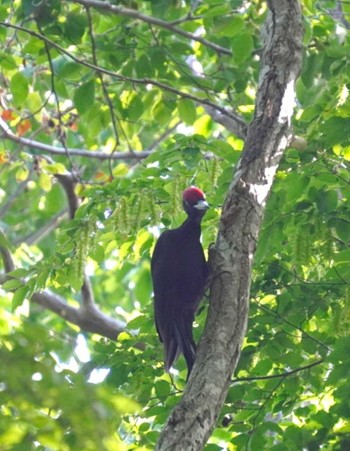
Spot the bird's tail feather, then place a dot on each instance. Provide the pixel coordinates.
(179, 341)
(171, 353)
(186, 345)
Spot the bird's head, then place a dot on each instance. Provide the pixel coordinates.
(194, 203)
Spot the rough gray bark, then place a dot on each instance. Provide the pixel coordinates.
(193, 419)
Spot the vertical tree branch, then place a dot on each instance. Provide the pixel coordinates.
(193, 419)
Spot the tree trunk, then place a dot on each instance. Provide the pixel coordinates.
(193, 419)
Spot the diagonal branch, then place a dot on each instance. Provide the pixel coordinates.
(234, 125)
(89, 319)
(124, 78)
(135, 14)
(39, 234)
(7, 133)
(7, 259)
(275, 376)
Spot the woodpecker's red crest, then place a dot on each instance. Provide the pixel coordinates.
(192, 195)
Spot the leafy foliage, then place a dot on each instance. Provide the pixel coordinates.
(87, 94)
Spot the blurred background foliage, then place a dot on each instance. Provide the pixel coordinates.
(129, 137)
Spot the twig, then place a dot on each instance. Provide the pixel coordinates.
(13, 197)
(135, 14)
(163, 136)
(87, 294)
(338, 14)
(7, 259)
(274, 376)
(266, 400)
(278, 315)
(67, 182)
(39, 234)
(61, 133)
(7, 133)
(104, 89)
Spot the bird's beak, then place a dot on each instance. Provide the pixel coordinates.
(201, 205)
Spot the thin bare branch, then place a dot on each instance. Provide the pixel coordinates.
(87, 294)
(232, 123)
(68, 182)
(135, 14)
(7, 133)
(338, 14)
(88, 317)
(163, 136)
(100, 75)
(7, 259)
(39, 234)
(61, 134)
(280, 375)
(90, 320)
(294, 326)
(12, 197)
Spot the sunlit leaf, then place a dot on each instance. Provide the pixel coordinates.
(19, 88)
(187, 111)
(19, 296)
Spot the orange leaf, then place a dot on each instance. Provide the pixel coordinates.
(23, 127)
(101, 176)
(74, 127)
(8, 115)
(3, 158)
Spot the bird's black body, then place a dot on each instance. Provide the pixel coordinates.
(179, 272)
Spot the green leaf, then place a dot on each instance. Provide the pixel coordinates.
(162, 388)
(187, 111)
(335, 130)
(19, 296)
(161, 113)
(34, 102)
(84, 97)
(242, 47)
(19, 88)
(7, 61)
(42, 278)
(17, 273)
(12, 284)
(217, 10)
(342, 228)
(229, 25)
(143, 67)
(136, 323)
(75, 27)
(327, 201)
(135, 108)
(68, 69)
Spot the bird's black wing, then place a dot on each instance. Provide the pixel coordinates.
(173, 311)
(178, 268)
